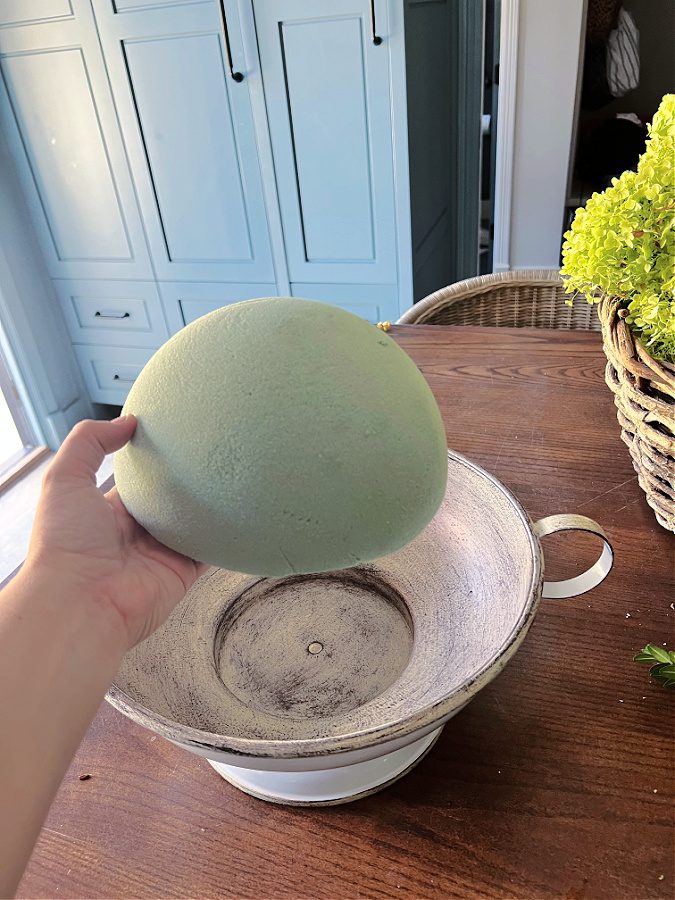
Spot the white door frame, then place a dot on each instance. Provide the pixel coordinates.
(506, 121)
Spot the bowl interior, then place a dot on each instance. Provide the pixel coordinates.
(325, 657)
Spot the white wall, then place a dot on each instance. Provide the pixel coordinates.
(549, 42)
(31, 316)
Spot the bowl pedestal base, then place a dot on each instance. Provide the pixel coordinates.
(328, 787)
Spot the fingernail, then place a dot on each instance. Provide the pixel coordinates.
(118, 419)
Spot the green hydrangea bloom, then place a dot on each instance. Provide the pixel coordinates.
(622, 244)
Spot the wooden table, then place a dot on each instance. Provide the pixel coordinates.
(554, 782)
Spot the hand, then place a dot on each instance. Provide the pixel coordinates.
(88, 541)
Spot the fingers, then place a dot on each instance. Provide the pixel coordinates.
(115, 501)
(82, 452)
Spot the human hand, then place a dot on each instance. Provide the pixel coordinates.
(89, 543)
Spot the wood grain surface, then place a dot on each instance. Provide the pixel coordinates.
(556, 781)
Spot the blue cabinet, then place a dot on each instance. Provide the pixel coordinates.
(59, 118)
(374, 302)
(181, 155)
(186, 301)
(188, 128)
(326, 86)
(109, 372)
(111, 313)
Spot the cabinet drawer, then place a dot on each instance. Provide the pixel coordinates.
(374, 302)
(185, 301)
(113, 312)
(109, 372)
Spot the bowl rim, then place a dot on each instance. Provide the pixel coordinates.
(262, 748)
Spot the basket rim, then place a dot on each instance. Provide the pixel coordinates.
(480, 284)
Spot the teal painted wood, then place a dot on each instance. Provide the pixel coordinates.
(184, 302)
(327, 89)
(374, 302)
(36, 84)
(189, 132)
(333, 220)
(109, 372)
(57, 113)
(429, 43)
(113, 312)
(33, 12)
(134, 5)
(251, 65)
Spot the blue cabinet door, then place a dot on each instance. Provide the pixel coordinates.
(327, 91)
(58, 116)
(189, 133)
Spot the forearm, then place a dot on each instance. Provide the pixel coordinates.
(95, 583)
(60, 652)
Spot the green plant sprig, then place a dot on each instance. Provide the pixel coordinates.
(622, 244)
(662, 664)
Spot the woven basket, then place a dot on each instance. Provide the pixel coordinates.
(644, 394)
(644, 388)
(532, 298)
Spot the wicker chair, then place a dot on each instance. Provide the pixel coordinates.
(527, 298)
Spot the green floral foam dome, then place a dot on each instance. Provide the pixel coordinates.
(282, 435)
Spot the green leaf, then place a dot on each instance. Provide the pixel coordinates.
(665, 671)
(661, 662)
(657, 652)
(665, 680)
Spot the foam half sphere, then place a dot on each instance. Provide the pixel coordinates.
(282, 435)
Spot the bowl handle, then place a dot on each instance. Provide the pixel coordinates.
(580, 584)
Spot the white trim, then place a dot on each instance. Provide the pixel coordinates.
(506, 122)
(577, 103)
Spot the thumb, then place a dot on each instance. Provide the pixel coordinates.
(82, 452)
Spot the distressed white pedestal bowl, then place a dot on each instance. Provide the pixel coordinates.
(322, 688)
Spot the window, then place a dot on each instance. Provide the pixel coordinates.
(19, 446)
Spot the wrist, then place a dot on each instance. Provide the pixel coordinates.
(78, 605)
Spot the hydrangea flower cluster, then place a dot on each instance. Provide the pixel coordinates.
(622, 244)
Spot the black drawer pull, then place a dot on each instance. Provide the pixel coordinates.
(100, 315)
(125, 380)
